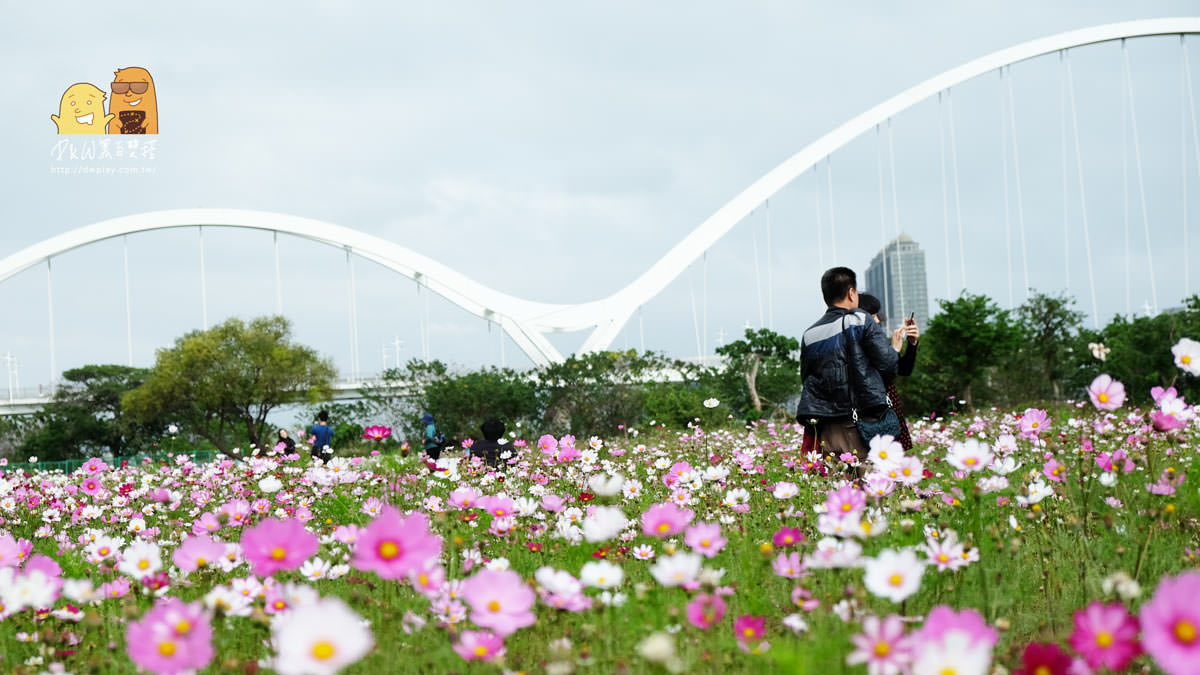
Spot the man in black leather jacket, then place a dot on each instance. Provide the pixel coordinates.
(845, 358)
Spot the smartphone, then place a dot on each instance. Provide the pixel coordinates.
(911, 318)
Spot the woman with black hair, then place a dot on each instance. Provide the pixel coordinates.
(907, 333)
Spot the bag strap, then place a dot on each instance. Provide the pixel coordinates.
(852, 373)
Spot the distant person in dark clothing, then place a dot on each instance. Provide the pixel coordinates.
(433, 438)
(492, 444)
(907, 333)
(289, 446)
(322, 433)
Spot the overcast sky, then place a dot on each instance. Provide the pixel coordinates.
(555, 150)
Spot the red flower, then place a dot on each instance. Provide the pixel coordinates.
(586, 497)
(1044, 659)
(602, 552)
(534, 546)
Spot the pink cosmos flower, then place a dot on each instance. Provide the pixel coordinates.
(1171, 624)
(347, 534)
(464, 497)
(705, 539)
(10, 552)
(789, 566)
(117, 588)
(500, 507)
(845, 500)
(548, 445)
(479, 645)
(275, 545)
(1106, 636)
(1054, 470)
(90, 486)
(749, 627)
(173, 637)
(499, 600)
(942, 619)
(882, 646)
(553, 503)
(1033, 422)
(706, 611)
(392, 546)
(376, 433)
(207, 522)
(94, 466)
(1106, 393)
(788, 536)
(665, 520)
(197, 552)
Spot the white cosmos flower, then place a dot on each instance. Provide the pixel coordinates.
(894, 575)
(676, 569)
(601, 574)
(885, 450)
(955, 653)
(319, 638)
(140, 560)
(604, 523)
(315, 568)
(784, 490)
(1108, 478)
(970, 456)
(1004, 465)
(558, 582)
(606, 486)
(711, 403)
(270, 484)
(1187, 355)
(1037, 491)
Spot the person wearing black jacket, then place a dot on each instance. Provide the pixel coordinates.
(845, 362)
(491, 446)
(908, 359)
(288, 443)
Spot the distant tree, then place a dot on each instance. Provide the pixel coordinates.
(222, 383)
(85, 417)
(768, 364)
(1049, 325)
(964, 341)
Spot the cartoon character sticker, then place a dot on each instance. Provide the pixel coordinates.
(134, 102)
(133, 107)
(81, 110)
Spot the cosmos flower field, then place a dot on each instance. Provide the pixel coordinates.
(1030, 541)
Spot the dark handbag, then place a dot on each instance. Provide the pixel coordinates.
(888, 423)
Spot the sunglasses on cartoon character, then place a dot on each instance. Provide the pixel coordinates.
(135, 87)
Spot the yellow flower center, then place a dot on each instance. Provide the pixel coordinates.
(201, 562)
(1042, 670)
(1185, 632)
(787, 540)
(183, 627)
(481, 651)
(143, 564)
(845, 507)
(1034, 425)
(942, 557)
(1104, 639)
(166, 649)
(882, 649)
(970, 461)
(323, 650)
(907, 471)
(704, 543)
(663, 527)
(748, 632)
(895, 580)
(388, 550)
(1185, 359)
(423, 579)
(1102, 397)
(278, 553)
(493, 606)
(882, 455)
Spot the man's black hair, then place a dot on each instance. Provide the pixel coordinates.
(836, 282)
(323, 416)
(870, 304)
(492, 429)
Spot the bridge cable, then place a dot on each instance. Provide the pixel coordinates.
(1125, 194)
(1187, 74)
(1183, 161)
(704, 301)
(203, 282)
(128, 312)
(896, 220)
(962, 256)
(1007, 217)
(832, 222)
(757, 272)
(886, 300)
(278, 283)
(820, 236)
(945, 194)
(641, 329)
(1137, 155)
(50, 313)
(1012, 121)
(695, 315)
(353, 315)
(1087, 241)
(1062, 117)
(770, 285)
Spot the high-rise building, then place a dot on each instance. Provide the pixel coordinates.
(897, 277)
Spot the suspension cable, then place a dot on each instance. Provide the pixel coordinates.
(1137, 155)
(1087, 237)
(770, 284)
(1125, 194)
(945, 194)
(1012, 121)
(1007, 217)
(1187, 74)
(820, 236)
(832, 222)
(886, 300)
(1062, 117)
(962, 256)
(757, 272)
(896, 220)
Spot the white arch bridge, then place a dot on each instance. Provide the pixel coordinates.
(527, 322)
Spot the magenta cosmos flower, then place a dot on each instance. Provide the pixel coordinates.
(665, 520)
(749, 627)
(376, 433)
(1106, 393)
(173, 637)
(275, 545)
(1171, 624)
(479, 645)
(1106, 636)
(392, 546)
(499, 600)
(788, 536)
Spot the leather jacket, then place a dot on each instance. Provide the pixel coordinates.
(839, 340)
